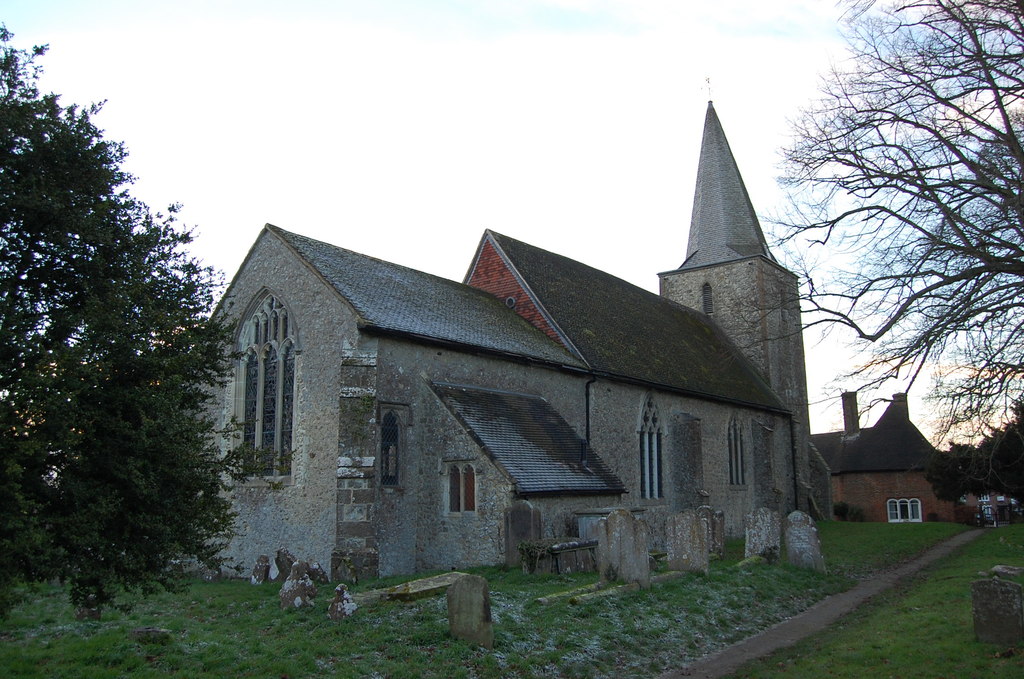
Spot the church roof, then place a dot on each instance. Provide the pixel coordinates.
(723, 226)
(527, 438)
(623, 330)
(395, 299)
(893, 444)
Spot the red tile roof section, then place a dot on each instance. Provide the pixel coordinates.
(491, 273)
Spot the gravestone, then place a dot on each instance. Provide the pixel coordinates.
(622, 549)
(998, 611)
(522, 524)
(715, 522)
(686, 541)
(298, 589)
(317, 574)
(469, 611)
(283, 560)
(763, 533)
(261, 571)
(803, 548)
(343, 606)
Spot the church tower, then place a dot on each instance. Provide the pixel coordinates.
(730, 274)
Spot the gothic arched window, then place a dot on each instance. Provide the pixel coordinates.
(650, 451)
(737, 475)
(268, 393)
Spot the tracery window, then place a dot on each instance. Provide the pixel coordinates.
(268, 393)
(461, 489)
(390, 433)
(737, 473)
(650, 452)
(904, 510)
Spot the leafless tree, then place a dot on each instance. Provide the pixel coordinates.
(908, 173)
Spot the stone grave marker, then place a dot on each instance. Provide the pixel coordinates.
(283, 561)
(803, 548)
(715, 522)
(686, 541)
(317, 574)
(522, 523)
(343, 606)
(298, 589)
(763, 534)
(998, 611)
(261, 571)
(622, 549)
(469, 611)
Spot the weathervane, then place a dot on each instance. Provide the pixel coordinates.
(707, 86)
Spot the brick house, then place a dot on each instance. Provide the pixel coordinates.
(880, 469)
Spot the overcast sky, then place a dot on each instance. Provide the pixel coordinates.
(404, 128)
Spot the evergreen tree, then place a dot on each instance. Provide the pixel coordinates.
(108, 352)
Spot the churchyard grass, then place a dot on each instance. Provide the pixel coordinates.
(921, 629)
(234, 629)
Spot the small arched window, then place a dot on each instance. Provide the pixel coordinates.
(461, 489)
(268, 392)
(390, 434)
(737, 473)
(650, 451)
(707, 299)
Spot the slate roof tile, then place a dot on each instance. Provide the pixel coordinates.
(530, 440)
(893, 444)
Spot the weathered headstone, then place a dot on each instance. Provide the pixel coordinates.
(317, 574)
(803, 548)
(522, 523)
(763, 534)
(715, 522)
(261, 571)
(343, 606)
(150, 635)
(622, 549)
(283, 560)
(686, 541)
(998, 611)
(298, 590)
(469, 611)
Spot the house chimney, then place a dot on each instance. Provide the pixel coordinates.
(851, 417)
(899, 406)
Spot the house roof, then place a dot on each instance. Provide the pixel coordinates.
(723, 225)
(620, 329)
(527, 438)
(391, 298)
(893, 444)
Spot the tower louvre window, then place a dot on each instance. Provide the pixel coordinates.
(707, 299)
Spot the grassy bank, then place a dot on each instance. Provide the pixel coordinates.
(921, 629)
(233, 629)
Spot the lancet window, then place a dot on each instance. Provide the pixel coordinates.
(650, 452)
(737, 463)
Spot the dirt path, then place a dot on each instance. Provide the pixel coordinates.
(814, 619)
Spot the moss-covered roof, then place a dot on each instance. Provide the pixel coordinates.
(623, 330)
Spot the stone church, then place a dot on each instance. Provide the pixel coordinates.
(399, 416)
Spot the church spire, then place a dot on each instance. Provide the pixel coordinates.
(723, 227)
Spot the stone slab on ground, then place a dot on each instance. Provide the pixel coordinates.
(409, 591)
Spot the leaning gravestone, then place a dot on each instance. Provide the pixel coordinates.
(763, 534)
(298, 590)
(283, 560)
(343, 606)
(522, 524)
(317, 573)
(469, 611)
(686, 541)
(803, 548)
(998, 611)
(622, 549)
(261, 571)
(715, 522)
